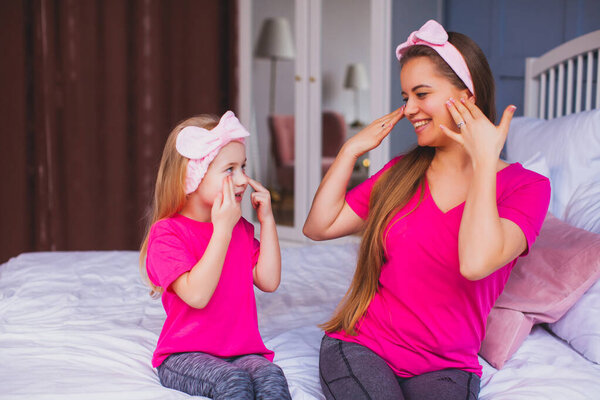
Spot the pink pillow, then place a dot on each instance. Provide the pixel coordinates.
(562, 264)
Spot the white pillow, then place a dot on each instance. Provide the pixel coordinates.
(583, 210)
(570, 146)
(580, 326)
(537, 163)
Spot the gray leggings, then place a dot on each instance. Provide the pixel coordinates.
(237, 378)
(351, 371)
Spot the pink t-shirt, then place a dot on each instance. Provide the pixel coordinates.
(425, 315)
(228, 325)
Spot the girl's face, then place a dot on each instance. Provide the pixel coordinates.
(230, 161)
(425, 92)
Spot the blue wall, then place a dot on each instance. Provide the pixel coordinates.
(508, 31)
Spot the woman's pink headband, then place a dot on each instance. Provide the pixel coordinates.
(201, 146)
(433, 35)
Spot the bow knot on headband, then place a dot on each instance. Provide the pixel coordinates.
(201, 146)
(433, 35)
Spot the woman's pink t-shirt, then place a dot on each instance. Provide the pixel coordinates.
(228, 325)
(425, 316)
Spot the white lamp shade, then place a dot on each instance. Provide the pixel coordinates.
(356, 77)
(275, 40)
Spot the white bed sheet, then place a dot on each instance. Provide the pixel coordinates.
(80, 325)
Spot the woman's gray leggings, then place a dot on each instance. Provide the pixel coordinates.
(351, 371)
(237, 378)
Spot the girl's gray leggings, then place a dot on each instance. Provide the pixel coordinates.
(237, 378)
(350, 371)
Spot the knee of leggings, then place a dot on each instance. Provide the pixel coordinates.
(271, 383)
(234, 384)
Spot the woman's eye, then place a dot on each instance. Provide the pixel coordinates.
(405, 99)
(421, 95)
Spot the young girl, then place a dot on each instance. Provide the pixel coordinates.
(202, 257)
(443, 226)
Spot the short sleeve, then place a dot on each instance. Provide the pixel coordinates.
(167, 256)
(527, 204)
(358, 197)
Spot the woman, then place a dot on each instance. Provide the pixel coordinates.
(443, 226)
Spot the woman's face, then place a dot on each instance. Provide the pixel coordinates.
(425, 92)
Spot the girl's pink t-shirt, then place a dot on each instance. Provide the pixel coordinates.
(228, 325)
(425, 316)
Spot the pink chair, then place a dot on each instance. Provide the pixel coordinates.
(281, 128)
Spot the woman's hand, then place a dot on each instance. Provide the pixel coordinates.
(482, 140)
(226, 211)
(372, 135)
(261, 201)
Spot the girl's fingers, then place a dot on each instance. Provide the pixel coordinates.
(231, 190)
(253, 200)
(507, 116)
(453, 135)
(256, 185)
(218, 201)
(227, 191)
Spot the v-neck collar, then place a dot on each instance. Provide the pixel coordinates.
(429, 196)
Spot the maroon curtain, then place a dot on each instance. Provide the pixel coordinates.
(91, 91)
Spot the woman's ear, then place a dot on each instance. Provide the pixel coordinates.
(466, 94)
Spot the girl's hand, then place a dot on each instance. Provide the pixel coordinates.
(225, 212)
(481, 139)
(372, 135)
(261, 201)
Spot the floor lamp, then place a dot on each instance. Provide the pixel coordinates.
(275, 43)
(356, 79)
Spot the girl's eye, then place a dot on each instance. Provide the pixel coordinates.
(229, 170)
(244, 167)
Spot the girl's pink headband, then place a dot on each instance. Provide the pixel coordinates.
(433, 35)
(201, 146)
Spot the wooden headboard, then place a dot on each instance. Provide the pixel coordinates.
(549, 93)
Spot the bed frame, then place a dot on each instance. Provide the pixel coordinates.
(549, 94)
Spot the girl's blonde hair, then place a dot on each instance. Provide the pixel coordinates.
(169, 194)
(398, 185)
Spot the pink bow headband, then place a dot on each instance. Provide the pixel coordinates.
(433, 35)
(201, 146)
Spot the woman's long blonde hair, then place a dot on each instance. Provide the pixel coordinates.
(169, 194)
(396, 186)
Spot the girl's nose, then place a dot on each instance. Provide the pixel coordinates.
(240, 178)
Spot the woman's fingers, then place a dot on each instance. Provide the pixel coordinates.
(453, 135)
(392, 118)
(507, 116)
(472, 107)
(464, 112)
(458, 118)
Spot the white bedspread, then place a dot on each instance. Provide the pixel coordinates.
(80, 325)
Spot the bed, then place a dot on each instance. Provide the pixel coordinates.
(77, 325)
